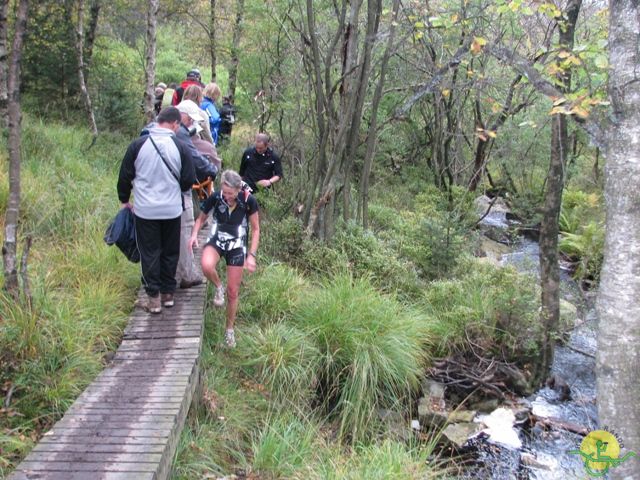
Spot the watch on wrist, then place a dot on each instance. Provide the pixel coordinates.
(253, 255)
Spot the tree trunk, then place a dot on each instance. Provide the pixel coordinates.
(4, 55)
(372, 135)
(9, 247)
(374, 10)
(618, 357)
(150, 62)
(81, 68)
(549, 270)
(235, 48)
(212, 40)
(94, 14)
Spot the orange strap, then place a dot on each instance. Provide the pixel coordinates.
(204, 189)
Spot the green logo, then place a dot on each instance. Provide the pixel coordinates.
(600, 451)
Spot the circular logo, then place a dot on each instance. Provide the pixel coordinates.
(599, 448)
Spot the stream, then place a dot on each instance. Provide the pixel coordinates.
(544, 452)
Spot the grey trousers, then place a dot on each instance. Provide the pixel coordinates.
(187, 270)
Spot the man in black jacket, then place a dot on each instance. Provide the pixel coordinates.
(260, 165)
(157, 168)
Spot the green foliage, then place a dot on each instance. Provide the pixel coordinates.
(495, 308)
(49, 57)
(583, 242)
(116, 85)
(431, 233)
(588, 247)
(274, 292)
(82, 290)
(385, 461)
(372, 349)
(285, 447)
(285, 360)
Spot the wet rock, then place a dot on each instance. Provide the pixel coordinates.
(433, 389)
(459, 433)
(530, 460)
(488, 405)
(561, 387)
(461, 416)
(395, 424)
(500, 428)
(431, 412)
(492, 251)
(568, 315)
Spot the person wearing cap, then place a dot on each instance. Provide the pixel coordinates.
(194, 93)
(260, 165)
(187, 274)
(193, 78)
(159, 94)
(156, 169)
(211, 95)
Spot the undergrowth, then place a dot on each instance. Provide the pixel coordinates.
(82, 290)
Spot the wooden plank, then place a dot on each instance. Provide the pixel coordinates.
(109, 423)
(161, 335)
(98, 448)
(111, 432)
(92, 457)
(157, 355)
(64, 438)
(118, 417)
(128, 398)
(86, 410)
(127, 423)
(36, 475)
(89, 467)
(156, 391)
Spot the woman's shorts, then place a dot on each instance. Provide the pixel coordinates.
(234, 257)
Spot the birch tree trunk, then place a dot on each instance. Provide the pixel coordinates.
(4, 56)
(94, 14)
(9, 246)
(81, 70)
(549, 230)
(235, 48)
(212, 41)
(618, 357)
(150, 62)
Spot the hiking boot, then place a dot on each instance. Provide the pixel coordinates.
(230, 339)
(218, 299)
(167, 300)
(153, 304)
(192, 283)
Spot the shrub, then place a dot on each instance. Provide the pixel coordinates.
(386, 461)
(495, 308)
(284, 359)
(588, 248)
(285, 446)
(272, 293)
(371, 348)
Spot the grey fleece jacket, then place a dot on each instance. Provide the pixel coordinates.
(156, 191)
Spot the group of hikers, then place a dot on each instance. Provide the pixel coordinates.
(173, 156)
(221, 116)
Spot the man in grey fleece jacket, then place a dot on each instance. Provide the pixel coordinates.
(157, 168)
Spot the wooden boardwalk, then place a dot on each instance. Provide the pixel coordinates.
(127, 423)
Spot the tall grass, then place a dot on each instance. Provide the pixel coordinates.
(82, 289)
(372, 350)
(495, 308)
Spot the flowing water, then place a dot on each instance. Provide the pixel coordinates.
(544, 455)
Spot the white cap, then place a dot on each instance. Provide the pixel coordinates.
(190, 108)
